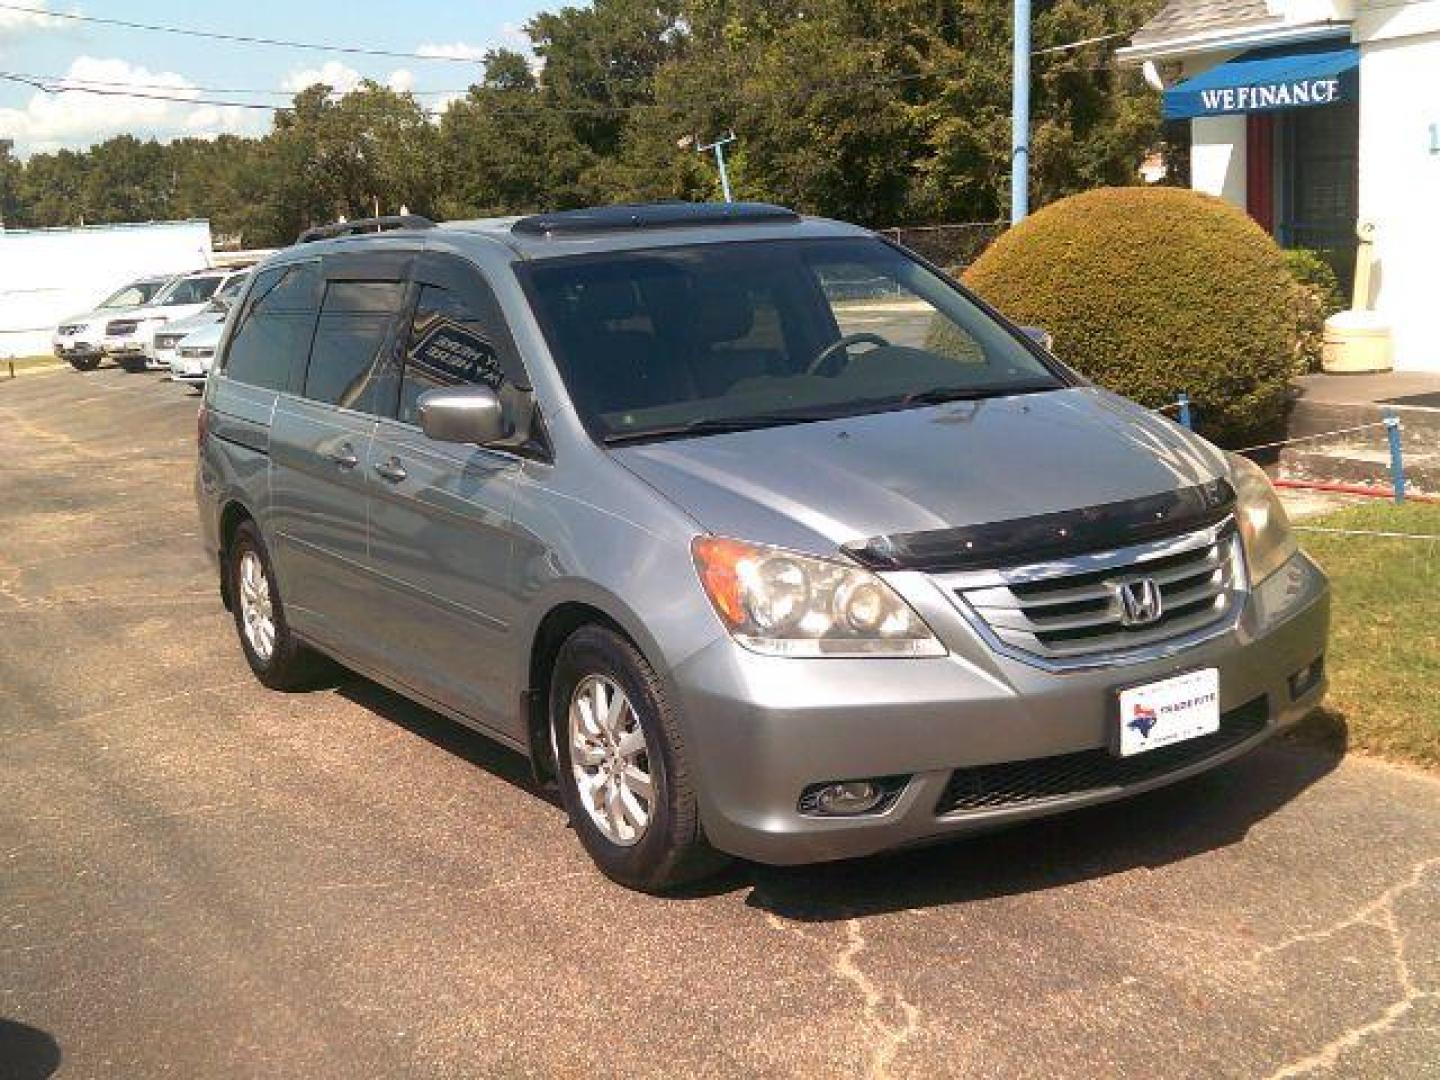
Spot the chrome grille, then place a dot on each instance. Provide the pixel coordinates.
(1072, 611)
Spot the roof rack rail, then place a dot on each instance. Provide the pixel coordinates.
(362, 225)
(656, 215)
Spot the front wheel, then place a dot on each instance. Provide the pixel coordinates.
(132, 364)
(620, 759)
(275, 655)
(85, 363)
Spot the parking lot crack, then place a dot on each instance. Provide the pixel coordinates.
(892, 1018)
(1379, 913)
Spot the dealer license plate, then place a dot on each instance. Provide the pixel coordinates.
(1163, 713)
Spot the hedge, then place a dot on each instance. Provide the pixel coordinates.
(1155, 291)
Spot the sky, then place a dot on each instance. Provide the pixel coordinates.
(167, 65)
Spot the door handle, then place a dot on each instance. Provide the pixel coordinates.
(344, 457)
(391, 470)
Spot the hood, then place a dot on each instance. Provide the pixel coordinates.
(208, 336)
(813, 487)
(201, 319)
(136, 314)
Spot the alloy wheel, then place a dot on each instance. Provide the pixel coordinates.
(256, 610)
(610, 760)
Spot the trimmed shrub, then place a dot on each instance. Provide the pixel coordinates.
(1155, 291)
(1318, 298)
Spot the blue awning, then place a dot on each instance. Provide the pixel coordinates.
(1267, 80)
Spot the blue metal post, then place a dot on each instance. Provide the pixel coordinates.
(1020, 119)
(1397, 457)
(1185, 418)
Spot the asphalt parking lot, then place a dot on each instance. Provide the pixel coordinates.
(200, 878)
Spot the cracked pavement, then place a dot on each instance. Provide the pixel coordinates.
(199, 877)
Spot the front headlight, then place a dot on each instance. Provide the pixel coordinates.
(1260, 515)
(781, 603)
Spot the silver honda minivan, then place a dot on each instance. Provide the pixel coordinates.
(757, 534)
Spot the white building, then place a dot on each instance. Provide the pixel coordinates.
(1314, 115)
(48, 274)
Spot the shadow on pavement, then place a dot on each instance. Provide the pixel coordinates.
(26, 1053)
(449, 735)
(1206, 813)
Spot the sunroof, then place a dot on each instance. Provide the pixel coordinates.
(661, 215)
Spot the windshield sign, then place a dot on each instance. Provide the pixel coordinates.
(721, 337)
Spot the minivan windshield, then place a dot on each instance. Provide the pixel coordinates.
(719, 337)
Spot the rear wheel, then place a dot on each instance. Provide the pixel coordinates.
(84, 363)
(133, 364)
(275, 655)
(620, 760)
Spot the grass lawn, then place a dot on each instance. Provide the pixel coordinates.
(21, 363)
(1385, 640)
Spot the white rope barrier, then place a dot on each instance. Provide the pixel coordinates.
(1366, 532)
(1311, 438)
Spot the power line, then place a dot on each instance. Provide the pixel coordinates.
(184, 95)
(51, 84)
(61, 83)
(238, 39)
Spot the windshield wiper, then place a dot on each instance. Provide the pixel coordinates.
(939, 395)
(716, 426)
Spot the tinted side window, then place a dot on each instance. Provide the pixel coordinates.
(275, 328)
(349, 363)
(449, 345)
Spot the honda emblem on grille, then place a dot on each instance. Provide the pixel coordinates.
(1140, 602)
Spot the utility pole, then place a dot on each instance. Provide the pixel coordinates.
(1020, 110)
(718, 147)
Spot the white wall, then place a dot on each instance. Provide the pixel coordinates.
(47, 275)
(1399, 172)
(1217, 157)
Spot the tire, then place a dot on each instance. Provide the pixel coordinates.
(286, 664)
(671, 849)
(84, 363)
(132, 364)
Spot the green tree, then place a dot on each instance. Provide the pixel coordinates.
(11, 172)
(52, 189)
(330, 157)
(600, 62)
(504, 150)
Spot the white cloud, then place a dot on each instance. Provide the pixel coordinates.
(72, 118)
(14, 23)
(456, 50)
(341, 78)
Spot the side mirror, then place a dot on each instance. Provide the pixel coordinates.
(1040, 336)
(467, 414)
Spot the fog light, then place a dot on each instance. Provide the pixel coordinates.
(851, 798)
(1307, 678)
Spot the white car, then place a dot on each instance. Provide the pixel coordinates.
(194, 355)
(130, 336)
(171, 334)
(77, 339)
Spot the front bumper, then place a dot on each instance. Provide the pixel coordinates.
(67, 348)
(189, 369)
(760, 730)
